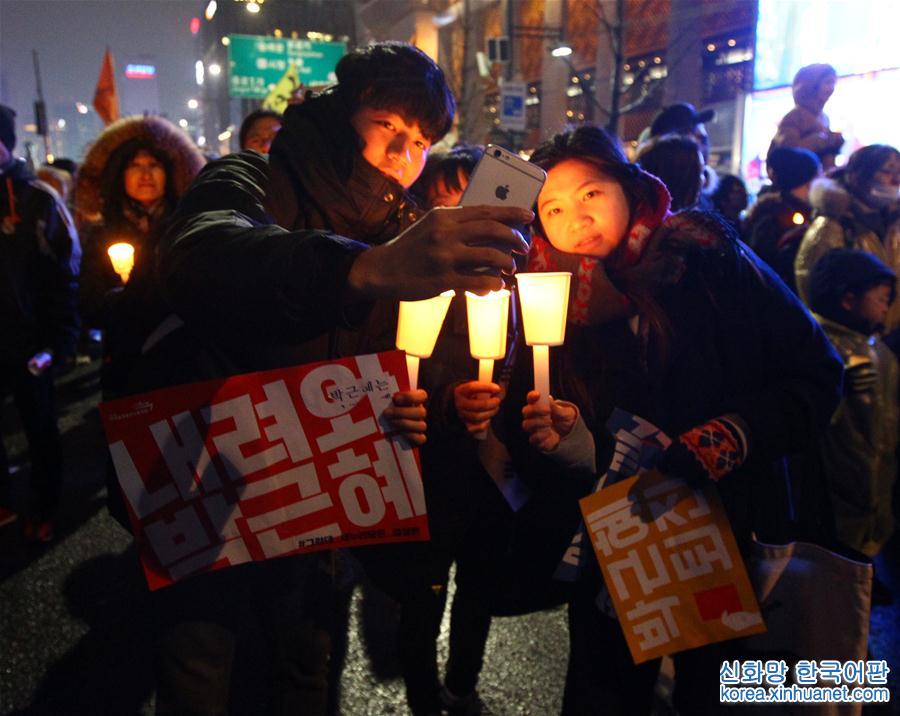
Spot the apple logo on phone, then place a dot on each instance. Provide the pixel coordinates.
(502, 192)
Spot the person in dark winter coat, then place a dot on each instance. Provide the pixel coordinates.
(132, 177)
(464, 507)
(782, 212)
(671, 319)
(276, 260)
(39, 262)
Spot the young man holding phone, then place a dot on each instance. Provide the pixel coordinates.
(292, 258)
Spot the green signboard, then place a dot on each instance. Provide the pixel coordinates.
(257, 62)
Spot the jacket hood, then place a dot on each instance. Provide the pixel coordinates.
(830, 198)
(806, 83)
(333, 187)
(186, 159)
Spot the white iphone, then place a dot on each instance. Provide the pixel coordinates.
(502, 178)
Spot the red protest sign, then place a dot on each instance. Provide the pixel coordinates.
(264, 465)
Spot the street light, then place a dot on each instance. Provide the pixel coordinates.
(192, 103)
(562, 50)
(252, 8)
(215, 69)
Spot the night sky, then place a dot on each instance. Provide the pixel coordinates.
(70, 37)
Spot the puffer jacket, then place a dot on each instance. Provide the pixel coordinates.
(842, 221)
(39, 264)
(857, 453)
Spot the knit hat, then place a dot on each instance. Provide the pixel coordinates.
(7, 127)
(679, 117)
(792, 167)
(841, 271)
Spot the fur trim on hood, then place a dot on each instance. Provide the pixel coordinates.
(185, 157)
(829, 198)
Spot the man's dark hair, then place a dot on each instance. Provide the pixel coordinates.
(66, 164)
(675, 159)
(400, 78)
(722, 192)
(251, 119)
(596, 146)
(447, 166)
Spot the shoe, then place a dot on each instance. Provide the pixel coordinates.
(881, 595)
(468, 705)
(42, 532)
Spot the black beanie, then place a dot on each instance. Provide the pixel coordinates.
(792, 167)
(7, 127)
(841, 271)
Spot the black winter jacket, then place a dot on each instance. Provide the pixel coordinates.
(256, 259)
(740, 343)
(39, 263)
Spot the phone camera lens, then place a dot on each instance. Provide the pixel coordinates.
(497, 152)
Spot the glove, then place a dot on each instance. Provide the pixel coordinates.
(707, 452)
(860, 376)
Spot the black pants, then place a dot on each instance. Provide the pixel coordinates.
(603, 678)
(35, 401)
(421, 612)
(199, 623)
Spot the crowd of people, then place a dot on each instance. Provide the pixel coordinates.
(764, 341)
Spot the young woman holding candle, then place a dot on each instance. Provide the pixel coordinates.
(671, 319)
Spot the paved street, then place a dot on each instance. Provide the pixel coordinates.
(74, 625)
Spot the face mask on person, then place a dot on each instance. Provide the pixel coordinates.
(883, 196)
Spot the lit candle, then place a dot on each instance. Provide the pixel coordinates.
(417, 330)
(488, 317)
(545, 302)
(122, 257)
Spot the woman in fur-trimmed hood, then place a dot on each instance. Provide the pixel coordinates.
(131, 179)
(857, 207)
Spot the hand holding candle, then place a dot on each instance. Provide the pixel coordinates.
(417, 330)
(545, 303)
(122, 256)
(488, 317)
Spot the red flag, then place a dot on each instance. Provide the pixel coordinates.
(106, 98)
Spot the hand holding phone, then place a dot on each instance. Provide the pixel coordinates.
(502, 178)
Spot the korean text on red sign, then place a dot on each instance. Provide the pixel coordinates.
(264, 465)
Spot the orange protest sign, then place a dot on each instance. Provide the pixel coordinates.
(671, 564)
